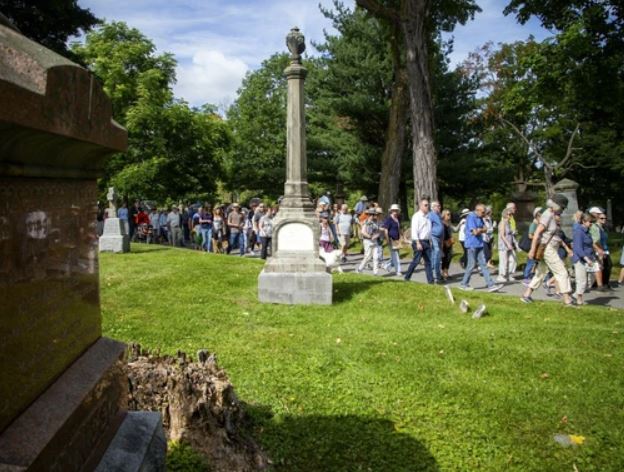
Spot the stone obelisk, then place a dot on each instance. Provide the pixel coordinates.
(114, 238)
(295, 274)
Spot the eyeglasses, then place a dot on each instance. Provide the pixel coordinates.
(602, 219)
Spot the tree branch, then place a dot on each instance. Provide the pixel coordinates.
(522, 136)
(570, 149)
(376, 8)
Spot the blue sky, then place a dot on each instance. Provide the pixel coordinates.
(217, 41)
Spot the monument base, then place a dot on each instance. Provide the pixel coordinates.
(139, 445)
(114, 238)
(295, 288)
(70, 425)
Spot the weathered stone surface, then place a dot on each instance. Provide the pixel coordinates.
(49, 284)
(114, 238)
(55, 119)
(198, 405)
(65, 424)
(568, 188)
(139, 445)
(295, 288)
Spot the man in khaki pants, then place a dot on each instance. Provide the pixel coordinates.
(548, 233)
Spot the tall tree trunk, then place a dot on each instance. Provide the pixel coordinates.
(396, 139)
(414, 14)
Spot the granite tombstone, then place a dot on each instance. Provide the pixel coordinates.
(63, 389)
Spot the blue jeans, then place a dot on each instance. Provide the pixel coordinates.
(395, 260)
(476, 255)
(418, 255)
(436, 257)
(236, 241)
(206, 234)
(528, 269)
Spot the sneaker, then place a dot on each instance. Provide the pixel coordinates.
(494, 288)
(501, 280)
(375, 272)
(526, 299)
(466, 288)
(358, 270)
(399, 274)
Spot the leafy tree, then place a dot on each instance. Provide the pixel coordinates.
(419, 22)
(49, 22)
(174, 151)
(258, 122)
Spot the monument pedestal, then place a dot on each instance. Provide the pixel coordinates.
(295, 288)
(114, 238)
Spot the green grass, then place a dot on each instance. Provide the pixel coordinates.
(390, 377)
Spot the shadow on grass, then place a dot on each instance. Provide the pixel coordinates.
(337, 443)
(345, 290)
(604, 301)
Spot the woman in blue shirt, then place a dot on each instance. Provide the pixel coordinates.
(583, 255)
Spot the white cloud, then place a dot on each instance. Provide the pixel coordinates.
(212, 77)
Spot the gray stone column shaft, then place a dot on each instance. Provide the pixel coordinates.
(296, 186)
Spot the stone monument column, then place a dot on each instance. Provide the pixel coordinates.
(295, 274)
(568, 188)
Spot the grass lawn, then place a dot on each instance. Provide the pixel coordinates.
(390, 377)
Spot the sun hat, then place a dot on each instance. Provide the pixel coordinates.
(371, 211)
(379, 211)
(364, 199)
(595, 210)
(537, 210)
(464, 212)
(395, 207)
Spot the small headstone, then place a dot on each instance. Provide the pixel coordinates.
(114, 238)
(464, 306)
(449, 295)
(479, 312)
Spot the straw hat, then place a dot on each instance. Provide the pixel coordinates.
(395, 207)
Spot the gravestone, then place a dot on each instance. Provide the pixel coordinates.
(114, 238)
(295, 274)
(63, 390)
(568, 188)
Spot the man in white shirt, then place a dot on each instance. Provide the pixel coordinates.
(421, 241)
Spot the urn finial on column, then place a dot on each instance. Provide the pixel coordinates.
(296, 44)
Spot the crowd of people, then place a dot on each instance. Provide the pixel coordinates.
(227, 229)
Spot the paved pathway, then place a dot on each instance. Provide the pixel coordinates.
(613, 298)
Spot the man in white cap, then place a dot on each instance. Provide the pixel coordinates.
(599, 237)
(544, 250)
(392, 228)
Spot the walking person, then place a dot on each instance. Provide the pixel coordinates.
(488, 237)
(544, 249)
(437, 233)
(461, 236)
(154, 218)
(392, 228)
(506, 248)
(326, 238)
(583, 255)
(381, 239)
(235, 221)
(344, 226)
(447, 244)
(421, 241)
(218, 230)
(526, 247)
(266, 232)
(205, 227)
(123, 215)
(174, 227)
(475, 229)
(370, 233)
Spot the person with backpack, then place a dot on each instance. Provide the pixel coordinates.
(545, 249)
